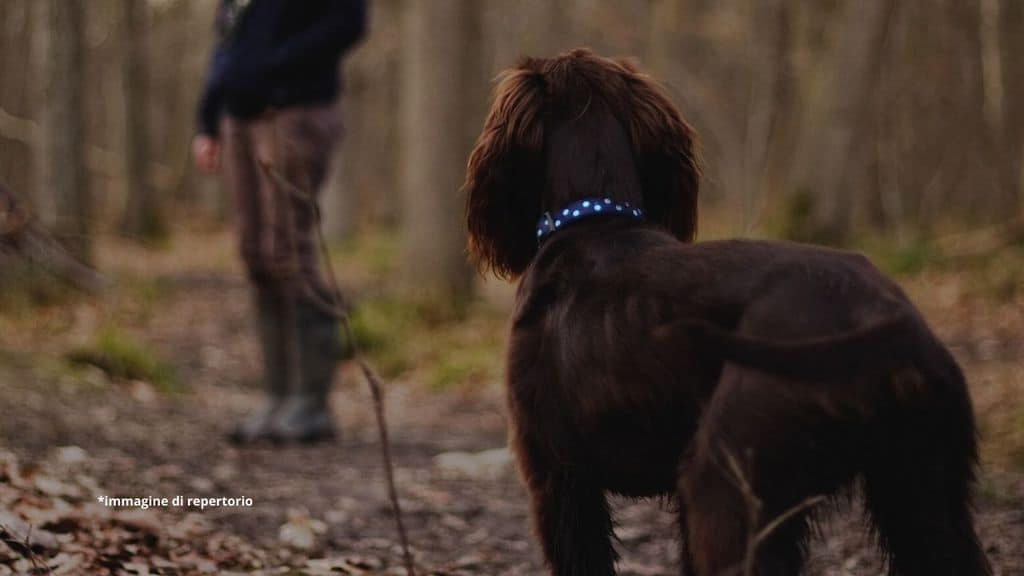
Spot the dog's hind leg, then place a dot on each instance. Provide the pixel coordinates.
(573, 522)
(723, 528)
(918, 481)
(764, 455)
(569, 510)
(712, 523)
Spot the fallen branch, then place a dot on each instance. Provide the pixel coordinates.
(23, 237)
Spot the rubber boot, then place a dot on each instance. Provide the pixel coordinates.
(276, 326)
(306, 416)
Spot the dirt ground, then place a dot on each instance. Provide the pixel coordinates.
(466, 513)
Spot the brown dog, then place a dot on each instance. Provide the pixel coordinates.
(641, 364)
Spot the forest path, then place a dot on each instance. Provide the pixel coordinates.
(465, 516)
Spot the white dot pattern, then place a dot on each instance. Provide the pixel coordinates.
(583, 209)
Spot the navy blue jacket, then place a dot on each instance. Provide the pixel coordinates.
(276, 54)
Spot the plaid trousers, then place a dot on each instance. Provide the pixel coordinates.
(276, 225)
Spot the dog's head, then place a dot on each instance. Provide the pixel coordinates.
(569, 127)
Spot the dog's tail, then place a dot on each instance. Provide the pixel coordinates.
(919, 478)
(868, 347)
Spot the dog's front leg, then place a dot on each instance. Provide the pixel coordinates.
(573, 522)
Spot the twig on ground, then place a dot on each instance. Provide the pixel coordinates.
(22, 236)
(9, 537)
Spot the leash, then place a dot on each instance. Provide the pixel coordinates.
(337, 308)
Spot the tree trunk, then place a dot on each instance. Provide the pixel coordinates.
(534, 28)
(977, 153)
(15, 99)
(440, 88)
(666, 22)
(784, 128)
(62, 166)
(1011, 50)
(363, 186)
(768, 100)
(834, 128)
(171, 85)
(142, 216)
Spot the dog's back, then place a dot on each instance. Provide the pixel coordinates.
(612, 317)
(612, 362)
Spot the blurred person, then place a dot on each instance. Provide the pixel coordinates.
(270, 100)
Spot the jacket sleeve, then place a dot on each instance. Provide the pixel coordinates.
(211, 102)
(342, 28)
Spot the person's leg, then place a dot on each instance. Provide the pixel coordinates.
(303, 141)
(274, 307)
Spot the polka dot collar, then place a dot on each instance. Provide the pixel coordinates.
(551, 222)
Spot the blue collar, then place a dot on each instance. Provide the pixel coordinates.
(550, 223)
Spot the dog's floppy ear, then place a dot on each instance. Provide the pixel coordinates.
(666, 152)
(504, 177)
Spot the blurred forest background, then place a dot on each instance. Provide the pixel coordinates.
(826, 121)
(895, 127)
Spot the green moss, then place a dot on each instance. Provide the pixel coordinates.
(123, 358)
(464, 366)
(793, 219)
(376, 251)
(377, 324)
(903, 260)
(400, 335)
(381, 328)
(143, 294)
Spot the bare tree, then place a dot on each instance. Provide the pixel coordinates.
(363, 186)
(978, 164)
(768, 100)
(142, 217)
(537, 28)
(905, 115)
(62, 165)
(1011, 50)
(833, 131)
(441, 87)
(17, 131)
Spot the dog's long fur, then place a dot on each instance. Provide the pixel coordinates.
(638, 360)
